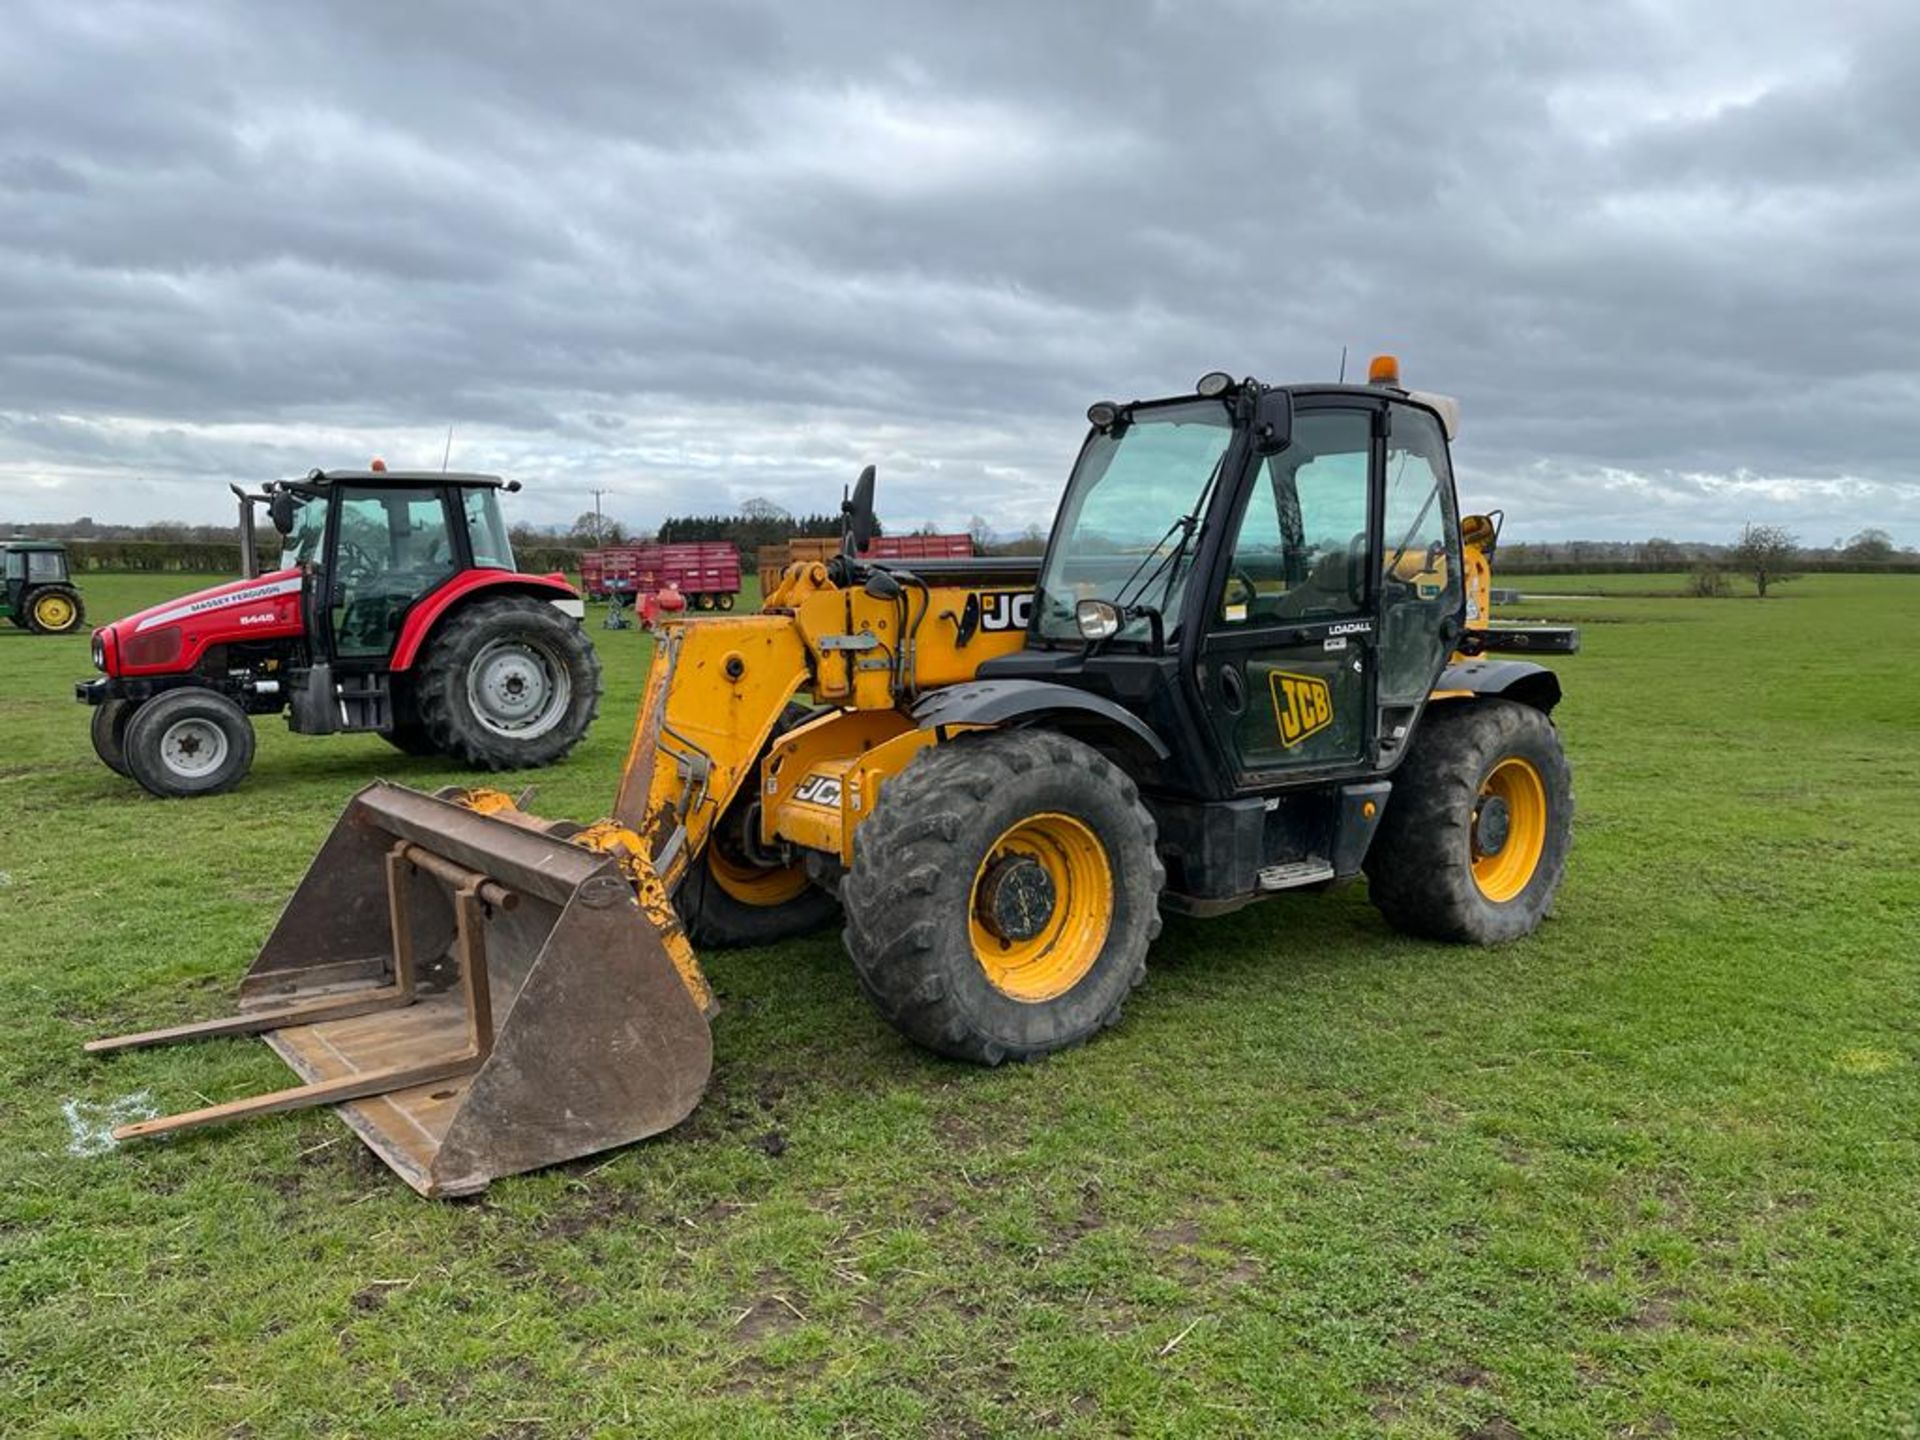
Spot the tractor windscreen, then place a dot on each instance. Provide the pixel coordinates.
(1126, 532)
(305, 542)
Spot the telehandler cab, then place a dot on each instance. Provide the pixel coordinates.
(1257, 658)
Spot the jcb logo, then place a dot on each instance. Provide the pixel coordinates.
(1302, 704)
(1006, 610)
(819, 790)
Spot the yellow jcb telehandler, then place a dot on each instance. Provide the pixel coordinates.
(1256, 657)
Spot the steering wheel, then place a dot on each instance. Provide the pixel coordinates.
(353, 563)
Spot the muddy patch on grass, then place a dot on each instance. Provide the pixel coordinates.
(1494, 1427)
(1179, 1254)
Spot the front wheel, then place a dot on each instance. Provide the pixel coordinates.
(189, 742)
(55, 610)
(509, 683)
(108, 730)
(1475, 837)
(1003, 895)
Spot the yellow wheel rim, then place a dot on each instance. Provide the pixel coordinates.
(53, 611)
(1509, 867)
(1056, 942)
(751, 885)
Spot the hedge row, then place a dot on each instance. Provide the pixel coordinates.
(1906, 565)
(222, 557)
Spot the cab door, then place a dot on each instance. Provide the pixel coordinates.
(1288, 663)
(392, 545)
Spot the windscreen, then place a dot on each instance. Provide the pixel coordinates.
(1122, 534)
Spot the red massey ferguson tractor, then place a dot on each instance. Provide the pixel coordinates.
(395, 608)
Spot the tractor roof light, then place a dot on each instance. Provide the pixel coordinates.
(1102, 413)
(1384, 370)
(1213, 384)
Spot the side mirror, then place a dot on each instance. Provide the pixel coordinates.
(1272, 422)
(858, 514)
(280, 511)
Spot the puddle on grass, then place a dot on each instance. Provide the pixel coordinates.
(93, 1124)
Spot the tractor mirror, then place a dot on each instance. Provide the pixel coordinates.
(858, 513)
(280, 511)
(1273, 421)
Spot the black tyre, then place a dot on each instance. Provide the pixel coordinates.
(55, 610)
(1003, 895)
(507, 684)
(727, 903)
(189, 742)
(407, 734)
(108, 729)
(1475, 837)
(410, 737)
(724, 600)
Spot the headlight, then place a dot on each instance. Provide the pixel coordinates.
(99, 652)
(1097, 619)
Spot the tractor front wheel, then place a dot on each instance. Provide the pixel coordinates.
(1003, 895)
(1475, 837)
(508, 684)
(55, 610)
(108, 730)
(728, 902)
(189, 742)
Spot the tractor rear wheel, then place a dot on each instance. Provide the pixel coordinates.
(509, 683)
(189, 742)
(108, 730)
(1475, 837)
(1003, 895)
(55, 610)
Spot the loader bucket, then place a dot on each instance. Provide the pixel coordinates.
(479, 998)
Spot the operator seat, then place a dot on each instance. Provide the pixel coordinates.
(1329, 586)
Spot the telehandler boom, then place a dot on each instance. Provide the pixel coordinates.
(1256, 657)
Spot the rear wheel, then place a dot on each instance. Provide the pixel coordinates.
(724, 601)
(1003, 895)
(108, 729)
(507, 684)
(189, 742)
(55, 610)
(1475, 837)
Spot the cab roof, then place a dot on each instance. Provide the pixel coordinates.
(20, 542)
(423, 478)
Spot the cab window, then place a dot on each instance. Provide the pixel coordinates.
(1300, 552)
(393, 547)
(1420, 573)
(46, 565)
(485, 532)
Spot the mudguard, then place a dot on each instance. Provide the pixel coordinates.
(999, 702)
(1520, 680)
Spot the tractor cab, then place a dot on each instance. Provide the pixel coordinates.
(36, 589)
(371, 544)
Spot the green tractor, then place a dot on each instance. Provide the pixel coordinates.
(37, 593)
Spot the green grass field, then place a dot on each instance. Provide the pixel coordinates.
(1655, 1171)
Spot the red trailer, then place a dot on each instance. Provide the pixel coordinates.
(707, 572)
(920, 547)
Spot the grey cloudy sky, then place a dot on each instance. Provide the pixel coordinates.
(1664, 253)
